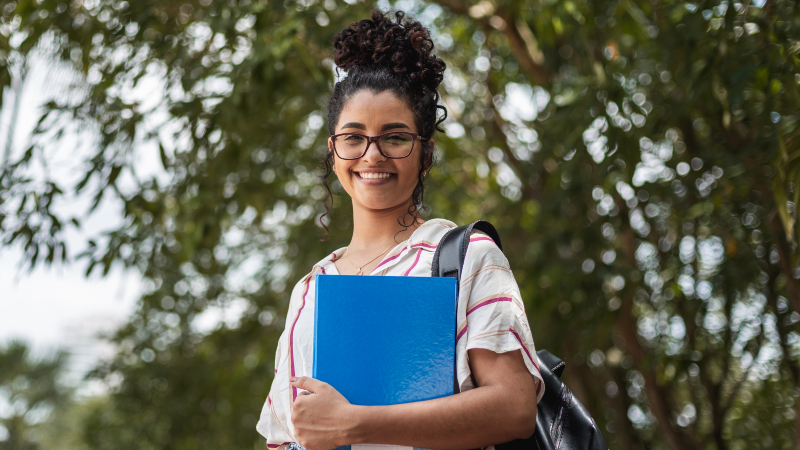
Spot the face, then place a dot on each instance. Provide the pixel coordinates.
(375, 182)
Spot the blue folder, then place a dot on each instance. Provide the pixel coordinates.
(385, 340)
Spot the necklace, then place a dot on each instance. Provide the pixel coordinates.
(373, 259)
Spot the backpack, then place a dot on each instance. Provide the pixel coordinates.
(562, 422)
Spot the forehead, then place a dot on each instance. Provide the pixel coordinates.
(375, 109)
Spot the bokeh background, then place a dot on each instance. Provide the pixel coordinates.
(640, 159)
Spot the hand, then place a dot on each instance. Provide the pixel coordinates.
(321, 416)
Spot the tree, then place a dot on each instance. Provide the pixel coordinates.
(639, 159)
(30, 390)
(655, 177)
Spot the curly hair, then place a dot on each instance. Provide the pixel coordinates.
(380, 54)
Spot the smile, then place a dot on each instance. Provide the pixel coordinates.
(373, 175)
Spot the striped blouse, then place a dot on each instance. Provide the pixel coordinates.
(490, 314)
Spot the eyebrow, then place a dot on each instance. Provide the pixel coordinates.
(387, 126)
(390, 126)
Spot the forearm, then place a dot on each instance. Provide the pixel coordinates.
(502, 408)
(483, 416)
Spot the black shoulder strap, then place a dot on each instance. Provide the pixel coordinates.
(448, 260)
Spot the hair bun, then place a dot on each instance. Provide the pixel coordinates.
(403, 48)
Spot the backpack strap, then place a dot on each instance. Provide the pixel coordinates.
(561, 420)
(448, 260)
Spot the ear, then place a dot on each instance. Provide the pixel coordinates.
(330, 149)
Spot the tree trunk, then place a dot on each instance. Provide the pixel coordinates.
(793, 292)
(656, 396)
(627, 328)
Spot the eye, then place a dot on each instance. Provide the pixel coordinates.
(352, 139)
(398, 138)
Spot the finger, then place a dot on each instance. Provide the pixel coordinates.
(307, 383)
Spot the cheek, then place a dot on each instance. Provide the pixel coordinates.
(339, 166)
(341, 169)
(411, 174)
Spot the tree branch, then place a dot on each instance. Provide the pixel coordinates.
(525, 54)
(524, 50)
(792, 290)
(626, 325)
(784, 259)
(713, 390)
(738, 386)
(498, 126)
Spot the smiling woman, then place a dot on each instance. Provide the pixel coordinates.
(382, 118)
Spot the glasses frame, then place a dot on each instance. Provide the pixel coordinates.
(371, 139)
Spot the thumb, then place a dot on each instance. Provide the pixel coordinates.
(307, 383)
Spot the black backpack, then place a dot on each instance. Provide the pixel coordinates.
(562, 422)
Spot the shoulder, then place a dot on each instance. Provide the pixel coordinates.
(300, 292)
(301, 285)
(486, 270)
(321, 268)
(483, 250)
(430, 233)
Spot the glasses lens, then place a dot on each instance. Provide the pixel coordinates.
(397, 145)
(394, 145)
(350, 146)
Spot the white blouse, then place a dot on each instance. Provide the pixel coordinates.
(490, 314)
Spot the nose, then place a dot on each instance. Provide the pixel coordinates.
(373, 154)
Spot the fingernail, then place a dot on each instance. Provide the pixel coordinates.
(292, 379)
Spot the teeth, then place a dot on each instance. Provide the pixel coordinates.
(371, 175)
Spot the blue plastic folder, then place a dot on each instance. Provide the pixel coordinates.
(385, 340)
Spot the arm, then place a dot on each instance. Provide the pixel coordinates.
(500, 409)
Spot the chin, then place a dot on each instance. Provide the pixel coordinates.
(382, 204)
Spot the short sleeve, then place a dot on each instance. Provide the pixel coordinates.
(491, 314)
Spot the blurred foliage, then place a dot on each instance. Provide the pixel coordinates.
(639, 158)
(31, 393)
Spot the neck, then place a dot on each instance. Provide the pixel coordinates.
(374, 230)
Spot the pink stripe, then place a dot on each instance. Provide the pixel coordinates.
(276, 445)
(481, 238)
(488, 302)
(461, 333)
(422, 244)
(413, 265)
(291, 336)
(524, 347)
(387, 260)
(269, 399)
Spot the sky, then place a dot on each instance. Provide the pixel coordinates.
(60, 308)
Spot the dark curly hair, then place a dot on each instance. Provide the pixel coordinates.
(381, 54)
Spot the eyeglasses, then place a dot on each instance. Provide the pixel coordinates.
(394, 145)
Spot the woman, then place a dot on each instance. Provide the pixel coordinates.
(381, 118)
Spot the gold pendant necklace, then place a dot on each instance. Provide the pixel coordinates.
(363, 265)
